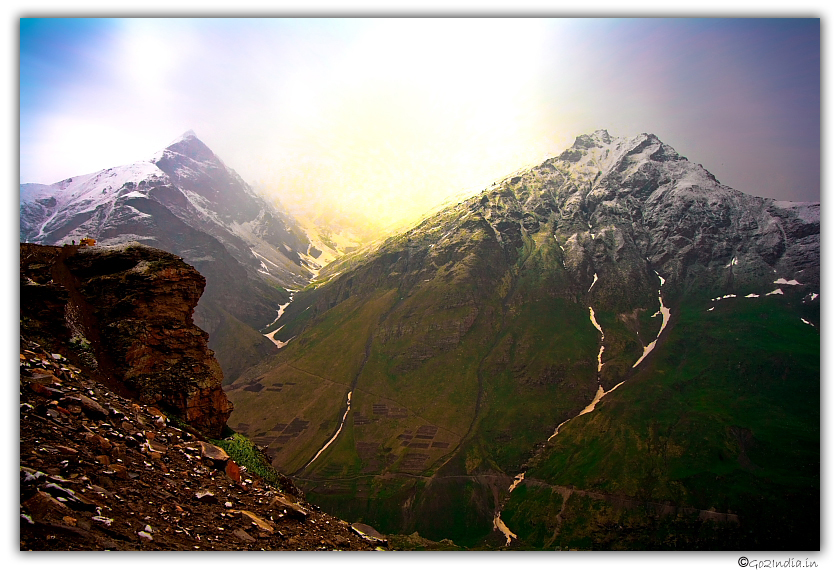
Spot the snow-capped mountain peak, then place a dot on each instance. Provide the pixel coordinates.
(184, 200)
(189, 134)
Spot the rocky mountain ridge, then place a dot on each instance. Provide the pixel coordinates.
(194, 184)
(622, 212)
(467, 340)
(608, 199)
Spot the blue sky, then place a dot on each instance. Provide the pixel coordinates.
(390, 117)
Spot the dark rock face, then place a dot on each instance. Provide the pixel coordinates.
(133, 306)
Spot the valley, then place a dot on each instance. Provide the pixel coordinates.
(609, 350)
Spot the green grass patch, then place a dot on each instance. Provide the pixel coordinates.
(244, 452)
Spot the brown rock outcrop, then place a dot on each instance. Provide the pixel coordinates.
(132, 305)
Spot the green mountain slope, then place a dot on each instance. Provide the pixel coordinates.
(420, 377)
(724, 418)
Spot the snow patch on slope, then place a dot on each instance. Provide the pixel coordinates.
(666, 315)
(347, 411)
(594, 279)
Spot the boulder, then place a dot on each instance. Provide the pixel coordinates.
(368, 533)
(291, 509)
(213, 452)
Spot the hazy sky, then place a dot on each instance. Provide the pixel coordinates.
(391, 116)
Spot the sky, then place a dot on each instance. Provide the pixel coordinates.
(386, 118)
(751, 117)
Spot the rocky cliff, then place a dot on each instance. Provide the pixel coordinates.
(130, 309)
(118, 397)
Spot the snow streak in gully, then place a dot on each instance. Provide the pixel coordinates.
(599, 394)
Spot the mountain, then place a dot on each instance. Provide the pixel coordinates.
(613, 325)
(186, 201)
